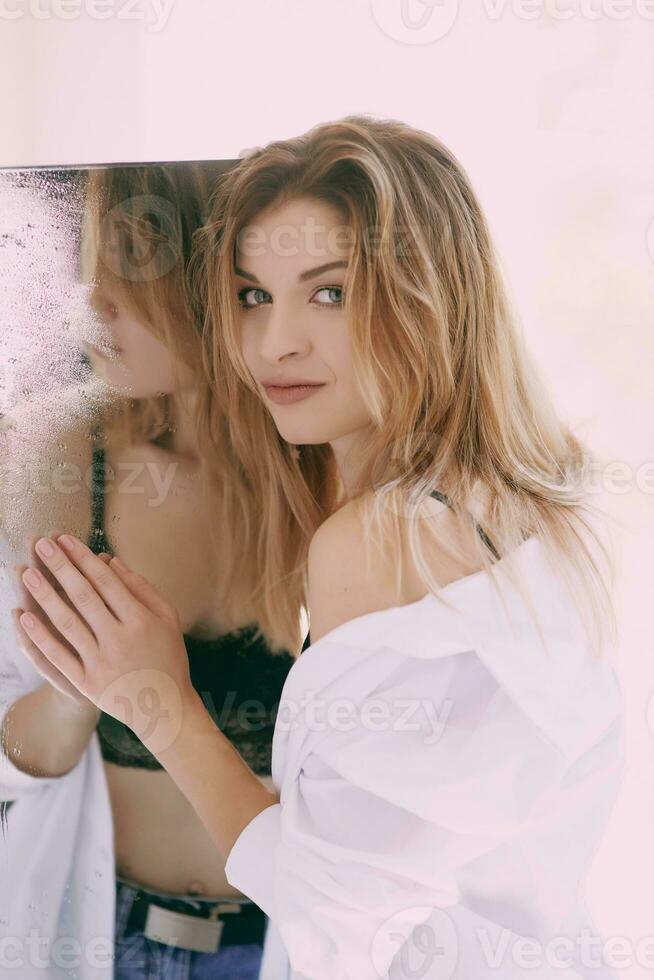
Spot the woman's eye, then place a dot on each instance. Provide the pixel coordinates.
(331, 289)
(245, 292)
(251, 297)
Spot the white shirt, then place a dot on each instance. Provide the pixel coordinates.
(461, 789)
(447, 794)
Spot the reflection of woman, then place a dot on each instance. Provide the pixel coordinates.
(156, 500)
(454, 744)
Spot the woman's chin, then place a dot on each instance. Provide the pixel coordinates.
(301, 436)
(112, 376)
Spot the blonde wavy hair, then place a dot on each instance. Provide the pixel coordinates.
(137, 237)
(455, 403)
(137, 228)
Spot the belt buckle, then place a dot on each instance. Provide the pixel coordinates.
(184, 931)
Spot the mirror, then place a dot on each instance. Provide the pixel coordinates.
(98, 341)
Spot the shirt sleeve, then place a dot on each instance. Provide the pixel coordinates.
(437, 766)
(24, 438)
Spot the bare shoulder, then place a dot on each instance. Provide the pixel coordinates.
(342, 584)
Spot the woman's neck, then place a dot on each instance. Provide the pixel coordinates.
(180, 439)
(346, 450)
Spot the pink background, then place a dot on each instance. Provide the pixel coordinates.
(553, 119)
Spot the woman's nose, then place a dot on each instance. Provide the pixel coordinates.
(283, 334)
(103, 305)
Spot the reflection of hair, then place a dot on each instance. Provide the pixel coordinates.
(138, 227)
(455, 403)
(139, 224)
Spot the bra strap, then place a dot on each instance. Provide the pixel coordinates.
(480, 531)
(98, 540)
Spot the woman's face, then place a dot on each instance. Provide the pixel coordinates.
(293, 326)
(128, 356)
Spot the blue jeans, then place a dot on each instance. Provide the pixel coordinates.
(141, 958)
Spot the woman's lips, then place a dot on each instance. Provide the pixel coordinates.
(291, 393)
(106, 351)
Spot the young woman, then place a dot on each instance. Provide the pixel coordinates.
(449, 746)
(148, 442)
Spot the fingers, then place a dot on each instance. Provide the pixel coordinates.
(144, 591)
(27, 602)
(25, 598)
(62, 617)
(93, 588)
(41, 662)
(34, 559)
(60, 658)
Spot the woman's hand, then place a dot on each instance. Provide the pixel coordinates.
(115, 639)
(55, 678)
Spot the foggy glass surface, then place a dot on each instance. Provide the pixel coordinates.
(46, 377)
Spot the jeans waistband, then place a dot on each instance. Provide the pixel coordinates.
(199, 902)
(238, 921)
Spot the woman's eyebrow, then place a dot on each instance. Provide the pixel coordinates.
(302, 277)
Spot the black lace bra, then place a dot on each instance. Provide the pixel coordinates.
(237, 676)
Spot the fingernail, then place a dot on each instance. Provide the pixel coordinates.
(45, 547)
(32, 577)
(27, 620)
(66, 541)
